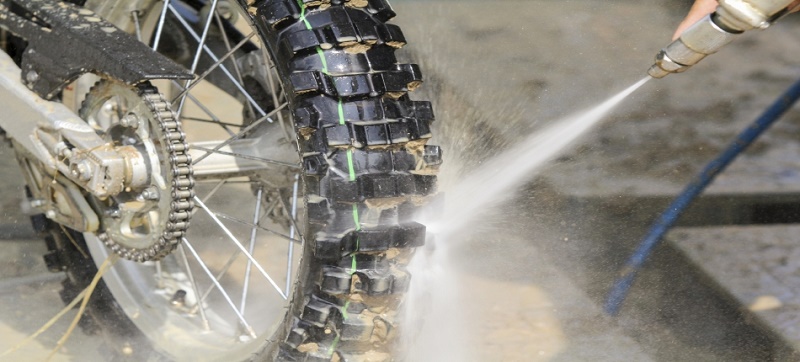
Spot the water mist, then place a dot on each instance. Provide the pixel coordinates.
(436, 328)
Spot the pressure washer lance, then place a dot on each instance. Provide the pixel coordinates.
(708, 35)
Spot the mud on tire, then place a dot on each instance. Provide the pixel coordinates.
(366, 170)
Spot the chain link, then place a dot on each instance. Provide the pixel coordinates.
(182, 186)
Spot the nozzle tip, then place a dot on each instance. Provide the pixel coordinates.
(657, 72)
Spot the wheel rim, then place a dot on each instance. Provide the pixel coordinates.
(175, 323)
(247, 224)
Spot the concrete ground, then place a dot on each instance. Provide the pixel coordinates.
(524, 64)
(761, 275)
(526, 284)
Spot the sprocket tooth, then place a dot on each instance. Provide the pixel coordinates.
(165, 131)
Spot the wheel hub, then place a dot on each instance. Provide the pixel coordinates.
(148, 219)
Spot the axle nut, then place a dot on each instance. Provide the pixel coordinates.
(82, 171)
(32, 76)
(150, 193)
(131, 120)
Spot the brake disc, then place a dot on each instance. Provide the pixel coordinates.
(150, 217)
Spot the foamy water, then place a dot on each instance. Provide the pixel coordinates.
(436, 328)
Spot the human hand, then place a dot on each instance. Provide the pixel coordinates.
(702, 8)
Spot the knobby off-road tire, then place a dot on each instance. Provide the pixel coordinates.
(366, 166)
(366, 171)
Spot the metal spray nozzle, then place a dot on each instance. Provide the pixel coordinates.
(708, 35)
(701, 39)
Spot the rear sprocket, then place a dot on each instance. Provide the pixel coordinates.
(147, 220)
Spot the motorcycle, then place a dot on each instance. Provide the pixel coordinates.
(257, 165)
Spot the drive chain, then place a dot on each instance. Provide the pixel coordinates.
(180, 167)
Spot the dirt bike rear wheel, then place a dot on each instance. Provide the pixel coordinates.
(363, 170)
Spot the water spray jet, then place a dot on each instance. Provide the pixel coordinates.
(434, 293)
(502, 173)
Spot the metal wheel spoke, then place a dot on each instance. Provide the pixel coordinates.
(229, 182)
(202, 108)
(240, 246)
(246, 157)
(275, 101)
(160, 27)
(241, 133)
(209, 113)
(137, 25)
(159, 275)
(252, 157)
(252, 225)
(231, 259)
(221, 273)
(291, 218)
(271, 80)
(214, 58)
(215, 189)
(195, 119)
(292, 230)
(215, 65)
(228, 46)
(201, 42)
(225, 295)
(211, 193)
(253, 234)
(189, 273)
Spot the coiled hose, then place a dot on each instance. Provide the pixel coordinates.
(699, 183)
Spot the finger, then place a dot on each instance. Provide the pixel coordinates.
(699, 10)
(795, 6)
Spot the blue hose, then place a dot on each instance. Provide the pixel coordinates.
(668, 218)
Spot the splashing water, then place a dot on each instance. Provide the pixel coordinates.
(434, 292)
(502, 173)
